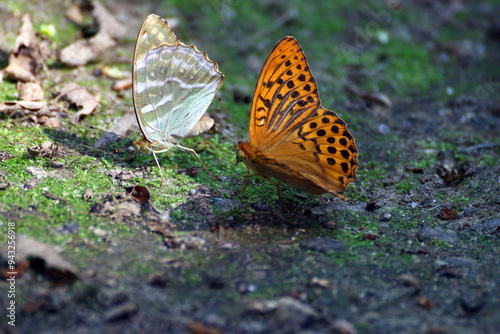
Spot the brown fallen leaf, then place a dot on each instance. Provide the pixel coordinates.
(378, 98)
(39, 112)
(320, 282)
(109, 30)
(74, 13)
(16, 72)
(139, 193)
(449, 169)
(28, 56)
(447, 214)
(122, 85)
(415, 170)
(18, 109)
(47, 149)
(81, 98)
(107, 22)
(83, 51)
(370, 236)
(44, 259)
(115, 73)
(30, 91)
(164, 229)
(199, 328)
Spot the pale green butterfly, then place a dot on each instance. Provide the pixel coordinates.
(173, 85)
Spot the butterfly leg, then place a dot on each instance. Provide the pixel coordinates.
(198, 157)
(161, 173)
(130, 157)
(278, 185)
(245, 179)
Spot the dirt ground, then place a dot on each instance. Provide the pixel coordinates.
(416, 250)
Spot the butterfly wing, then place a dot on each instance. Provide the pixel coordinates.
(173, 83)
(285, 94)
(292, 137)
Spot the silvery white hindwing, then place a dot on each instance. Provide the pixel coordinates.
(173, 85)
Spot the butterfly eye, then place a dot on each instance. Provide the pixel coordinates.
(240, 155)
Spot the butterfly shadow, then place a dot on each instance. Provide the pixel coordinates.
(85, 146)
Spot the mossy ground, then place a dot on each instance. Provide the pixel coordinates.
(441, 102)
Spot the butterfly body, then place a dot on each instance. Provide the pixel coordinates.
(292, 137)
(269, 166)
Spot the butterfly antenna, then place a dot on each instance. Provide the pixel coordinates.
(198, 157)
(215, 162)
(227, 112)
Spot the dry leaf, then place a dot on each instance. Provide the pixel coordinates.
(162, 228)
(37, 111)
(447, 214)
(449, 169)
(113, 72)
(107, 22)
(47, 149)
(75, 14)
(199, 328)
(18, 109)
(122, 85)
(378, 98)
(28, 56)
(83, 51)
(18, 73)
(81, 98)
(415, 170)
(30, 91)
(44, 258)
(139, 193)
(320, 282)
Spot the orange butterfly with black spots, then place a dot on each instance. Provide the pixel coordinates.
(293, 138)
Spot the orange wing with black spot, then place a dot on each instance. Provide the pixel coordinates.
(292, 137)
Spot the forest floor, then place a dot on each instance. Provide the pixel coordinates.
(415, 250)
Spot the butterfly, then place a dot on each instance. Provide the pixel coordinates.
(293, 138)
(173, 84)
